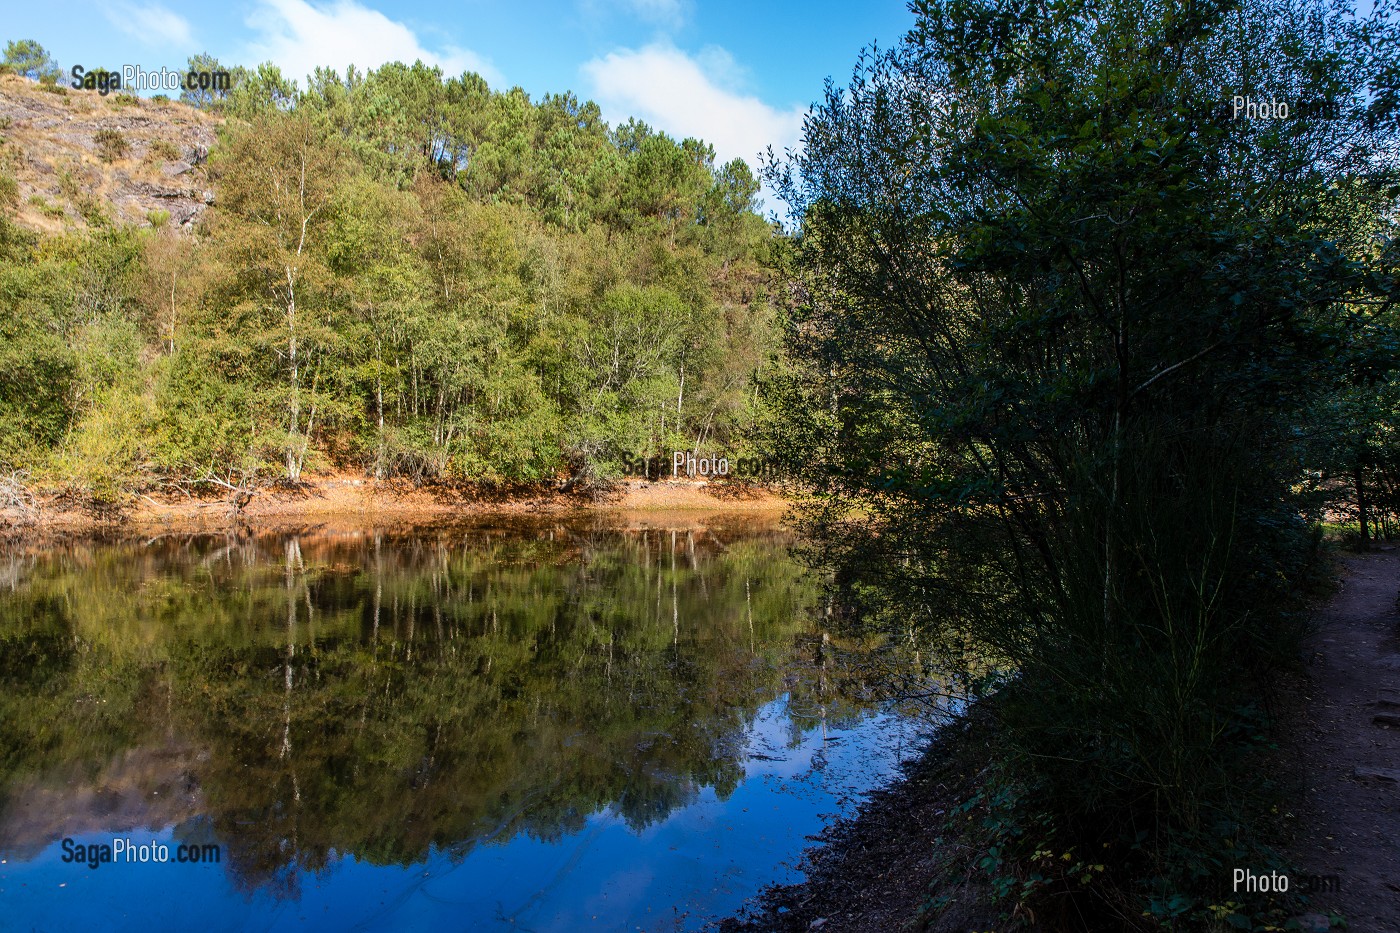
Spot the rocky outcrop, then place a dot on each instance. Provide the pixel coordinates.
(82, 159)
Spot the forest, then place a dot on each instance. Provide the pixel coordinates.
(402, 275)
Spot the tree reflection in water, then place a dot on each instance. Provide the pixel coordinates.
(304, 697)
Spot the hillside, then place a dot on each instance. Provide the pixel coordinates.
(53, 146)
(393, 274)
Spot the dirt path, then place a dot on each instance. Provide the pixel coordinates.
(1349, 745)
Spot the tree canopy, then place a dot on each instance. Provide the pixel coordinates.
(407, 274)
(1062, 324)
(29, 59)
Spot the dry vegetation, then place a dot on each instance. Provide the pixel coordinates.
(80, 159)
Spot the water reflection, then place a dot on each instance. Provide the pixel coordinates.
(324, 705)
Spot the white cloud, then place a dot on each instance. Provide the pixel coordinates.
(152, 23)
(299, 37)
(687, 96)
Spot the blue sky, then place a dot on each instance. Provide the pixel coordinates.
(737, 74)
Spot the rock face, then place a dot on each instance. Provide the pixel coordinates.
(82, 159)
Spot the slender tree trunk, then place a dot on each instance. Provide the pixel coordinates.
(1362, 509)
(310, 424)
(293, 474)
(172, 314)
(680, 396)
(379, 404)
(295, 451)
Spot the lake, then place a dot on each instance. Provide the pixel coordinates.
(545, 725)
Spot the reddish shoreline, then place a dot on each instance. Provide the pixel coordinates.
(349, 501)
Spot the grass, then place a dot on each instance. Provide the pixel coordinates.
(1348, 534)
(46, 207)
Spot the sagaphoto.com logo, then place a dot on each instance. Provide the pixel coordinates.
(123, 850)
(135, 78)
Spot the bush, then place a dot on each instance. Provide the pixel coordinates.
(46, 207)
(163, 149)
(9, 192)
(111, 144)
(36, 393)
(157, 218)
(92, 210)
(79, 193)
(103, 455)
(201, 416)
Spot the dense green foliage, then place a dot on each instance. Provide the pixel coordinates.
(30, 59)
(1065, 327)
(403, 274)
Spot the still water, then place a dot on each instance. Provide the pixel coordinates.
(547, 726)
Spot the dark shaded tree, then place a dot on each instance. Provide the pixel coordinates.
(1058, 320)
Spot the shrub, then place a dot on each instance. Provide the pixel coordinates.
(1003, 470)
(103, 454)
(92, 210)
(46, 207)
(158, 218)
(163, 149)
(79, 194)
(111, 144)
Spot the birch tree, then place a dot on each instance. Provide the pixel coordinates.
(278, 184)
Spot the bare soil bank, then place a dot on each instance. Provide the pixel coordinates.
(353, 502)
